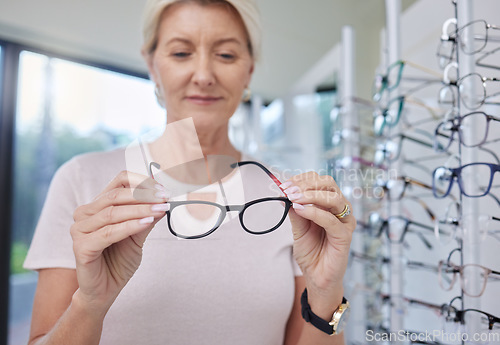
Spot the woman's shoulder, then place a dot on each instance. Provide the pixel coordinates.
(100, 163)
(101, 158)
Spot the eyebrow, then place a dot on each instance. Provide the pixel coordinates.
(217, 43)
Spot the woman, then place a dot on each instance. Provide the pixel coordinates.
(120, 279)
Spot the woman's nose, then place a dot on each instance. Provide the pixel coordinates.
(203, 74)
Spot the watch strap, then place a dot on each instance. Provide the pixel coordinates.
(314, 319)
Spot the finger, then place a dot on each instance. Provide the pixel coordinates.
(332, 225)
(120, 196)
(119, 214)
(310, 181)
(127, 179)
(110, 234)
(327, 200)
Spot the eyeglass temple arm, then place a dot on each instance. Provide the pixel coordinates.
(425, 207)
(423, 68)
(270, 174)
(422, 265)
(423, 303)
(417, 141)
(492, 319)
(484, 56)
(151, 165)
(418, 102)
(422, 238)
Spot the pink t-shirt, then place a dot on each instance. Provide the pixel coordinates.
(230, 288)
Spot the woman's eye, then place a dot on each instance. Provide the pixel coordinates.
(227, 56)
(181, 54)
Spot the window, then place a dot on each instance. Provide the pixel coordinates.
(63, 109)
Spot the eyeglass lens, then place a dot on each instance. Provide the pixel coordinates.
(197, 219)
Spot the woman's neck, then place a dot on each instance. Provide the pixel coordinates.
(182, 142)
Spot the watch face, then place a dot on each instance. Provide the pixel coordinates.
(343, 321)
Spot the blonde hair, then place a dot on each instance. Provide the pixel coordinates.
(246, 9)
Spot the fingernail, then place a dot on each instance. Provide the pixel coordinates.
(297, 206)
(295, 196)
(291, 190)
(162, 195)
(161, 188)
(147, 220)
(286, 185)
(160, 207)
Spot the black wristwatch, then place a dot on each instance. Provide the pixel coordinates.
(335, 326)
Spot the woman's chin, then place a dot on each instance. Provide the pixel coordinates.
(204, 120)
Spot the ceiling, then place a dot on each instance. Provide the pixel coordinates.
(297, 33)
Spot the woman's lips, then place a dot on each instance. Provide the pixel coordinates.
(203, 100)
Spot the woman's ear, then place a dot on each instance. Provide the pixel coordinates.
(148, 58)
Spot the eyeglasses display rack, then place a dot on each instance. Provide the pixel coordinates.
(436, 212)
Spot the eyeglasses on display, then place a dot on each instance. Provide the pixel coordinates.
(396, 228)
(443, 178)
(390, 150)
(473, 277)
(452, 225)
(486, 321)
(473, 89)
(477, 30)
(390, 116)
(385, 83)
(395, 188)
(446, 130)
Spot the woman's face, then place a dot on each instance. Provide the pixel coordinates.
(202, 63)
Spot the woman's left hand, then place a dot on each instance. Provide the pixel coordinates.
(321, 239)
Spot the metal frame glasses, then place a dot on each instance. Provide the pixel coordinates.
(450, 36)
(445, 131)
(472, 88)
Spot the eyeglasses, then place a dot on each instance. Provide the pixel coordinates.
(473, 277)
(396, 228)
(257, 217)
(475, 325)
(389, 81)
(443, 177)
(391, 115)
(473, 91)
(375, 261)
(445, 131)
(391, 149)
(395, 189)
(347, 162)
(484, 320)
(477, 30)
(447, 228)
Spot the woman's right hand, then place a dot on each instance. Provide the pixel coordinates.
(108, 235)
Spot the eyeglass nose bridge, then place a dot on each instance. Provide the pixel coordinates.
(234, 208)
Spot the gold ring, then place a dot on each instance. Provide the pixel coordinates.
(344, 213)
